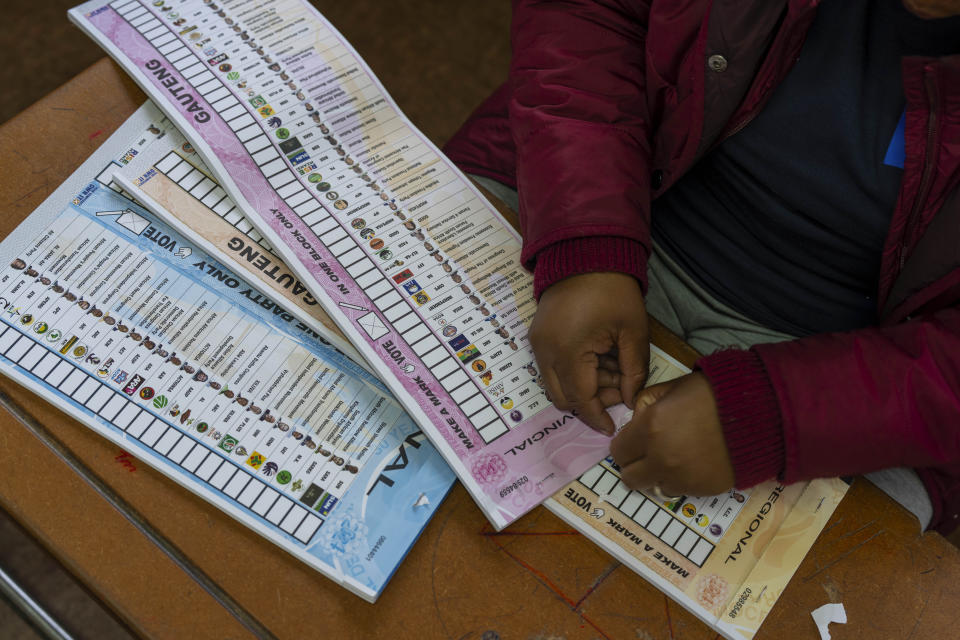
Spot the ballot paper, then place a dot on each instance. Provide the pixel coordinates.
(197, 207)
(725, 558)
(139, 333)
(416, 268)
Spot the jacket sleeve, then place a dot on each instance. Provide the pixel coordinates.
(579, 121)
(844, 403)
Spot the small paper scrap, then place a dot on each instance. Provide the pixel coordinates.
(422, 501)
(825, 615)
(624, 420)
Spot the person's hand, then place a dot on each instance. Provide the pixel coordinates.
(590, 338)
(933, 9)
(675, 441)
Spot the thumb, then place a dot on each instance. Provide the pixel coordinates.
(633, 355)
(650, 396)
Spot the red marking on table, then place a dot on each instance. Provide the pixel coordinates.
(126, 460)
(666, 607)
(542, 577)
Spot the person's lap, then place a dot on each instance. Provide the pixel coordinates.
(705, 323)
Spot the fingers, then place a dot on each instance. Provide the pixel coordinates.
(633, 355)
(631, 444)
(637, 469)
(592, 411)
(578, 381)
(574, 334)
(608, 389)
(610, 379)
(648, 397)
(609, 396)
(645, 474)
(675, 441)
(551, 385)
(639, 475)
(641, 466)
(609, 361)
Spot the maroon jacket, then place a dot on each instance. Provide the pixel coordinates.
(609, 102)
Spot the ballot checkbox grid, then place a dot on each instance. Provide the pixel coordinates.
(431, 352)
(653, 517)
(209, 194)
(269, 161)
(105, 178)
(398, 310)
(206, 466)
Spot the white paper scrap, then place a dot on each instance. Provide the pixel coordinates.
(423, 500)
(825, 615)
(624, 420)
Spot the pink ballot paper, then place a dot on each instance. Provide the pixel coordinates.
(412, 263)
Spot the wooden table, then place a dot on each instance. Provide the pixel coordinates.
(536, 579)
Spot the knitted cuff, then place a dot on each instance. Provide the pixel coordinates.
(749, 413)
(587, 255)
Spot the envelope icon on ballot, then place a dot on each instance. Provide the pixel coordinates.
(133, 221)
(128, 219)
(372, 325)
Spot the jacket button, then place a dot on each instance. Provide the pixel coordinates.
(717, 63)
(656, 178)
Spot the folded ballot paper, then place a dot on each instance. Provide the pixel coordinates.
(278, 154)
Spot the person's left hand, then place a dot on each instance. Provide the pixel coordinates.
(675, 441)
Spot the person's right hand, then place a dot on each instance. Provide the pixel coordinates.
(581, 323)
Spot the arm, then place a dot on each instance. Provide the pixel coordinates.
(579, 120)
(849, 403)
(822, 406)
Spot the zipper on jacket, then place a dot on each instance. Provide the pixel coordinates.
(928, 165)
(735, 130)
